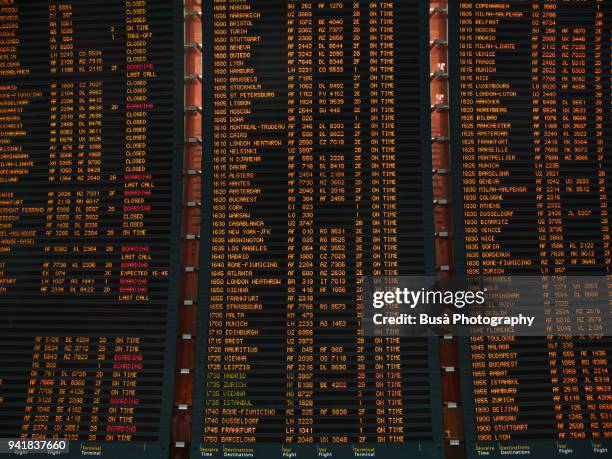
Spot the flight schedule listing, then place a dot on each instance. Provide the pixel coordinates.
(530, 124)
(317, 173)
(90, 133)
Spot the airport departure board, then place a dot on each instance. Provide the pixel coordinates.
(90, 156)
(317, 173)
(530, 126)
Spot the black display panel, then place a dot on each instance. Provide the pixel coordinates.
(90, 187)
(530, 123)
(317, 171)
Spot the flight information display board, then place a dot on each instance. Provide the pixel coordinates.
(530, 127)
(90, 188)
(318, 169)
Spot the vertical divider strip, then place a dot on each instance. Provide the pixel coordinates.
(190, 235)
(442, 173)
